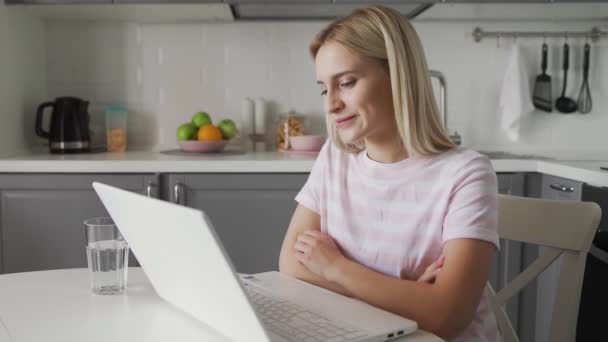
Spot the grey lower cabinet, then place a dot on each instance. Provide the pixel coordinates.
(250, 212)
(555, 188)
(540, 295)
(530, 311)
(41, 217)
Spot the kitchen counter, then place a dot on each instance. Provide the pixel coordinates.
(151, 161)
(253, 162)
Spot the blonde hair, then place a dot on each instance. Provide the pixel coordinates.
(382, 33)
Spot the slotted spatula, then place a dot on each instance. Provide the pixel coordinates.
(542, 98)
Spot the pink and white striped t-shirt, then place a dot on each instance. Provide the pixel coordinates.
(394, 218)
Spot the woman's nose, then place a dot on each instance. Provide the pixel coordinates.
(334, 103)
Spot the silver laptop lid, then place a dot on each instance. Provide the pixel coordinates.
(179, 251)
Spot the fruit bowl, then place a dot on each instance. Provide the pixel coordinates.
(202, 146)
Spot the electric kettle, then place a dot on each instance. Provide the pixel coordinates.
(69, 125)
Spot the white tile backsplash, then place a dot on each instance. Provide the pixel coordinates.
(213, 66)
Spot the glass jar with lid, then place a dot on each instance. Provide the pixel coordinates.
(287, 125)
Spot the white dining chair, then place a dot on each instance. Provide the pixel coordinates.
(565, 229)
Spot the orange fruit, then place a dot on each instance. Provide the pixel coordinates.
(209, 133)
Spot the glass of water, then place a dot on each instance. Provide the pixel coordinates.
(107, 256)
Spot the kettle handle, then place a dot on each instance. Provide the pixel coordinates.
(39, 113)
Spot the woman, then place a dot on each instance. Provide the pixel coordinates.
(389, 193)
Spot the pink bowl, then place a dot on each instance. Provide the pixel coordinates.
(202, 146)
(307, 142)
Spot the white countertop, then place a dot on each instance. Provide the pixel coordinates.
(253, 162)
(151, 162)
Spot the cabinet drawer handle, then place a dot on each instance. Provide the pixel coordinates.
(176, 192)
(149, 189)
(561, 187)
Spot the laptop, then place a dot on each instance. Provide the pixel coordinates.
(4, 335)
(184, 259)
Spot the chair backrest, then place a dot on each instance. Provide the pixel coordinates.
(565, 229)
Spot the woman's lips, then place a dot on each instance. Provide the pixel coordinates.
(345, 121)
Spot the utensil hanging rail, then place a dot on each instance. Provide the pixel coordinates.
(594, 34)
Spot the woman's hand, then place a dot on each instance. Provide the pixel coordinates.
(431, 271)
(318, 252)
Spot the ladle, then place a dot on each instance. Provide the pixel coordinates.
(565, 104)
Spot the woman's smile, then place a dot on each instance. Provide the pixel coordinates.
(345, 121)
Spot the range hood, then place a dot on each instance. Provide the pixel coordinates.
(317, 10)
(201, 10)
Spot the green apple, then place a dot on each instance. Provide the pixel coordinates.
(186, 131)
(201, 118)
(228, 128)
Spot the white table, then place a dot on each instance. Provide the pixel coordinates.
(59, 306)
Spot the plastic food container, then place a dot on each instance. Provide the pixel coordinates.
(116, 129)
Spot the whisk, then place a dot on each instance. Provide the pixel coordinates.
(584, 96)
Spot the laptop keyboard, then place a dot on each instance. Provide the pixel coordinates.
(298, 324)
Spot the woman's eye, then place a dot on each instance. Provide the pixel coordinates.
(348, 84)
(323, 92)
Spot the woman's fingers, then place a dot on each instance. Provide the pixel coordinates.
(429, 276)
(313, 233)
(440, 260)
(302, 247)
(306, 238)
(435, 265)
(425, 278)
(300, 257)
(430, 273)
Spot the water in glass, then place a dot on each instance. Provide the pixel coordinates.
(108, 265)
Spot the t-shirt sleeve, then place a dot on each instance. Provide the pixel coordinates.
(310, 194)
(473, 205)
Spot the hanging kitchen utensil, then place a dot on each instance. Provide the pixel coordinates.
(565, 104)
(542, 98)
(584, 96)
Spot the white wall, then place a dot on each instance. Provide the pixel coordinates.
(164, 73)
(475, 72)
(22, 78)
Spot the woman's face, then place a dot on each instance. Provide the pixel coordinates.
(357, 94)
